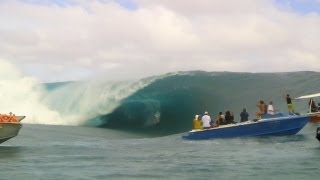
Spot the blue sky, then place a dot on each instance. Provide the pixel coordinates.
(300, 6)
(129, 4)
(76, 39)
(62, 3)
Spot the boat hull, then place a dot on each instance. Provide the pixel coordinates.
(9, 130)
(315, 117)
(288, 125)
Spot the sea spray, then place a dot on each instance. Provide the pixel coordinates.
(72, 103)
(22, 95)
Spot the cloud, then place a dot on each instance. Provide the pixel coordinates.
(80, 39)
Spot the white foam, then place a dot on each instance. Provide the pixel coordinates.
(71, 104)
(22, 95)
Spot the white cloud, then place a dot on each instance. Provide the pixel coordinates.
(157, 37)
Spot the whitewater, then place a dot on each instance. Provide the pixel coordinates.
(102, 129)
(72, 104)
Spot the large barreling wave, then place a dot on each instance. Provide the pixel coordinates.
(168, 104)
(163, 104)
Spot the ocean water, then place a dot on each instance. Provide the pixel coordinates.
(101, 129)
(66, 152)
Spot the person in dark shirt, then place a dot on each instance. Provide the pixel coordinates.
(312, 105)
(244, 115)
(229, 117)
(289, 103)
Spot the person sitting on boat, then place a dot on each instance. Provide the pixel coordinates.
(244, 116)
(221, 119)
(270, 108)
(197, 122)
(262, 109)
(232, 117)
(312, 105)
(229, 117)
(206, 119)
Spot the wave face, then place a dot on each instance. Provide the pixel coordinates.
(168, 104)
(76, 102)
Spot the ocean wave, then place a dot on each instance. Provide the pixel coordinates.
(161, 104)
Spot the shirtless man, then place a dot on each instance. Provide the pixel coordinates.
(262, 109)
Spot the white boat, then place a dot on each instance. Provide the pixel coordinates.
(314, 114)
(19, 118)
(10, 126)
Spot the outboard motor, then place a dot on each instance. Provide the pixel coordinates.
(318, 134)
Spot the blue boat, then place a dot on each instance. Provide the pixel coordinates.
(283, 125)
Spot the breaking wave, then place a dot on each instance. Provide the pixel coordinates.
(162, 104)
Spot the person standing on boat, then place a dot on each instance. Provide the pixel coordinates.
(197, 122)
(244, 116)
(270, 108)
(312, 105)
(206, 119)
(289, 103)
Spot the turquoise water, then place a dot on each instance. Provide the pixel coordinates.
(66, 152)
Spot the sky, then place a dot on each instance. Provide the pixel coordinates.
(63, 40)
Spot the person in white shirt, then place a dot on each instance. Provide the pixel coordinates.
(270, 108)
(206, 119)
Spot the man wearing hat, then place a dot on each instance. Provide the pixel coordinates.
(206, 119)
